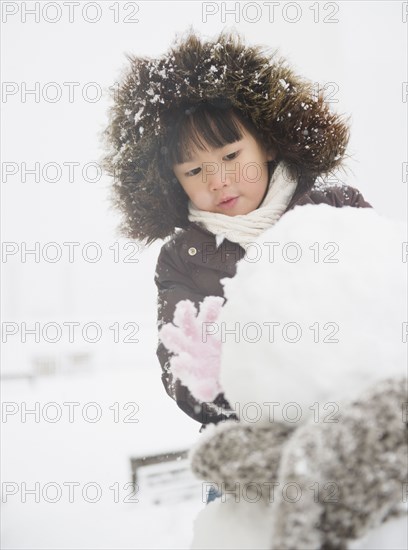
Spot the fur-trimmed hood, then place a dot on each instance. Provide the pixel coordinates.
(283, 107)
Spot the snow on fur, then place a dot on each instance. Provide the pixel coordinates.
(259, 83)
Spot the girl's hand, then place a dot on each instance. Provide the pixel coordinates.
(197, 354)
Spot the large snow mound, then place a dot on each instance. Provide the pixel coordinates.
(315, 313)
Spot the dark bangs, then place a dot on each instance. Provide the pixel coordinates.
(199, 127)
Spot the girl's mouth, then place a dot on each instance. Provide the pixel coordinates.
(229, 203)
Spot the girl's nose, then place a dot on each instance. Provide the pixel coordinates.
(217, 182)
(217, 177)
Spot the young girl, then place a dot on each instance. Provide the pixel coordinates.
(210, 145)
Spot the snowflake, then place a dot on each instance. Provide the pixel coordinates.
(283, 83)
(138, 115)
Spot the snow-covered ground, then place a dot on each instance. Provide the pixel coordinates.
(39, 451)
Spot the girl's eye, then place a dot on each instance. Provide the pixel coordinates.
(231, 155)
(193, 172)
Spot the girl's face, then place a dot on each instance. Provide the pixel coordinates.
(229, 180)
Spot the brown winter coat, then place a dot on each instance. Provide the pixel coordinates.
(190, 266)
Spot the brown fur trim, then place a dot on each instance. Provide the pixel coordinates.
(283, 107)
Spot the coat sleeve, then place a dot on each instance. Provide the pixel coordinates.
(334, 195)
(349, 196)
(174, 284)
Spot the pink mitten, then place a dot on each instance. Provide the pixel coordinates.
(197, 353)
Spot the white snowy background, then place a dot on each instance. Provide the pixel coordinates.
(361, 58)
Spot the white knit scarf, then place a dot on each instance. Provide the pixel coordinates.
(245, 228)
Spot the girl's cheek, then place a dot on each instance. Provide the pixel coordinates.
(201, 198)
(253, 173)
(203, 194)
